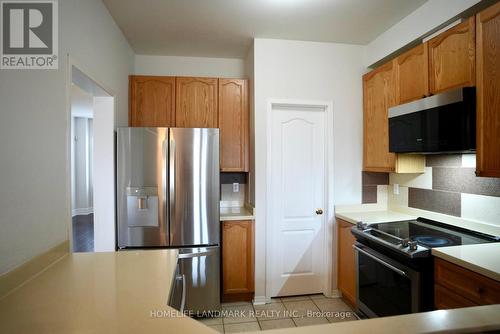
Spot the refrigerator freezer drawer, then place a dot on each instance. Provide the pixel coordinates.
(200, 269)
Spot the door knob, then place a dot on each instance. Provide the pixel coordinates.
(319, 211)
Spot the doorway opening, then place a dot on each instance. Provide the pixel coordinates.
(82, 210)
(91, 107)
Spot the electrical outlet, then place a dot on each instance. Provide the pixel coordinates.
(395, 189)
(236, 187)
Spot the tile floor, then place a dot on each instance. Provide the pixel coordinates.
(281, 313)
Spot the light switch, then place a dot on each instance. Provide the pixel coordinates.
(396, 189)
(236, 187)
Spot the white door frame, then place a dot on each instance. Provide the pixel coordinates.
(327, 106)
(72, 62)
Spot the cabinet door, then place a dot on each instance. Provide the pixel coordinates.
(378, 96)
(196, 102)
(237, 260)
(488, 92)
(233, 124)
(152, 101)
(452, 58)
(445, 299)
(346, 261)
(412, 75)
(477, 288)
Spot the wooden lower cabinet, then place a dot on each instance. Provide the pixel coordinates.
(237, 260)
(457, 287)
(346, 261)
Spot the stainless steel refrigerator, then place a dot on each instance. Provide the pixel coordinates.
(168, 196)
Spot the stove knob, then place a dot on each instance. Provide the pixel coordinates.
(361, 225)
(412, 245)
(404, 242)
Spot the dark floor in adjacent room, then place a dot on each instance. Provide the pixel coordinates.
(83, 233)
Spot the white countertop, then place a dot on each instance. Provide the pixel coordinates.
(373, 217)
(111, 292)
(236, 213)
(481, 258)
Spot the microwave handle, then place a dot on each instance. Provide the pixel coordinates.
(390, 266)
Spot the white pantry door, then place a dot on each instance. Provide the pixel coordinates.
(297, 197)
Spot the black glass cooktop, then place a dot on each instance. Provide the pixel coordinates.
(429, 233)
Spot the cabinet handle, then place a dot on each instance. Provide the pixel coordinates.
(479, 290)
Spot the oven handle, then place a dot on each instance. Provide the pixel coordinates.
(390, 266)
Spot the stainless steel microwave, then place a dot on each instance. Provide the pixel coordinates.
(442, 123)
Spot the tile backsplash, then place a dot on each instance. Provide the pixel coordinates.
(230, 199)
(449, 186)
(370, 181)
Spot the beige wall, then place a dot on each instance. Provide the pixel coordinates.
(189, 66)
(34, 130)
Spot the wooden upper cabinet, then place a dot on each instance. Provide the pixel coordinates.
(152, 101)
(233, 124)
(488, 92)
(452, 58)
(412, 75)
(378, 96)
(196, 102)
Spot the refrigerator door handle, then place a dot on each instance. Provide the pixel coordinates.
(164, 189)
(171, 177)
(183, 298)
(208, 251)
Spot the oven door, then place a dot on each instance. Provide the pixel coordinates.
(384, 286)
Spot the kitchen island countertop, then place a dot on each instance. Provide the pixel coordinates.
(113, 292)
(127, 292)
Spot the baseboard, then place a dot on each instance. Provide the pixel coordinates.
(336, 294)
(237, 297)
(82, 211)
(261, 300)
(21, 274)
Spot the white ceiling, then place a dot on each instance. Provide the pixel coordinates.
(225, 28)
